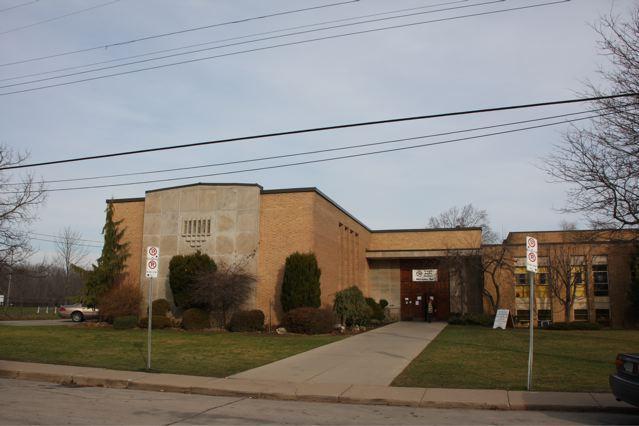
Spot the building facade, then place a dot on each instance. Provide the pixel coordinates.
(258, 228)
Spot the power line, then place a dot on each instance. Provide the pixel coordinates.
(58, 237)
(318, 160)
(173, 55)
(321, 129)
(57, 242)
(319, 151)
(186, 30)
(27, 3)
(275, 46)
(97, 6)
(222, 40)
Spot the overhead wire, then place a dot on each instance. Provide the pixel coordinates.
(321, 129)
(26, 3)
(292, 43)
(188, 46)
(277, 166)
(173, 55)
(186, 30)
(318, 151)
(61, 237)
(57, 242)
(59, 17)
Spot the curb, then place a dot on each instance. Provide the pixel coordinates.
(319, 392)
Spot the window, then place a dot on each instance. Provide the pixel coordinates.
(523, 315)
(544, 315)
(581, 314)
(600, 275)
(543, 278)
(521, 279)
(602, 316)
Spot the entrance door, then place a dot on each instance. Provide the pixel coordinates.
(414, 294)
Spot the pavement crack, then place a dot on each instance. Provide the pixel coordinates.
(205, 411)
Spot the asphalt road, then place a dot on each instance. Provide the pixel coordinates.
(23, 402)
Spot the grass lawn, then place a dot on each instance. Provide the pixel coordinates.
(194, 353)
(25, 313)
(478, 357)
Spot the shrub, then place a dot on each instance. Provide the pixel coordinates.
(376, 309)
(309, 320)
(383, 303)
(224, 290)
(161, 307)
(159, 321)
(247, 321)
(125, 323)
(122, 300)
(195, 319)
(301, 282)
(574, 326)
(472, 319)
(351, 307)
(183, 272)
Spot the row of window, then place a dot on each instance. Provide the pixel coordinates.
(599, 272)
(601, 315)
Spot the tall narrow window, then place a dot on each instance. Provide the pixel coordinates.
(600, 275)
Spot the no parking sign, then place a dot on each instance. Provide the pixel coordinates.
(152, 261)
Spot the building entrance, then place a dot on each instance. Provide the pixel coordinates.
(420, 279)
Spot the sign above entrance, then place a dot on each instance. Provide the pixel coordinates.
(424, 275)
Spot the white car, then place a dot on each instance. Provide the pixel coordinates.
(78, 312)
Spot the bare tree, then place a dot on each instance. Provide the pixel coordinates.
(566, 225)
(18, 201)
(224, 290)
(465, 217)
(600, 161)
(70, 251)
(495, 261)
(567, 270)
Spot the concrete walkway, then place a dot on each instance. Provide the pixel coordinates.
(372, 358)
(315, 392)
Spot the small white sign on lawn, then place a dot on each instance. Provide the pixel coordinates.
(501, 319)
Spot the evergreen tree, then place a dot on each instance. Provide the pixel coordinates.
(301, 282)
(110, 266)
(184, 272)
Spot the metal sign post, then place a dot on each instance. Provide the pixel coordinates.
(152, 264)
(531, 268)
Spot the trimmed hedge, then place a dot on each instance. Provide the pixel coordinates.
(157, 322)
(309, 320)
(376, 309)
(472, 319)
(195, 319)
(125, 323)
(301, 282)
(183, 273)
(577, 325)
(247, 321)
(351, 307)
(160, 307)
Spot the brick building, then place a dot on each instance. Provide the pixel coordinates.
(260, 228)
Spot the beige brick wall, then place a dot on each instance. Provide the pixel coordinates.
(618, 254)
(286, 226)
(339, 243)
(132, 215)
(425, 240)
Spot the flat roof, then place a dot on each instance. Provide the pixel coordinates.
(293, 190)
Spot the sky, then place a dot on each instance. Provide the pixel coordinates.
(515, 57)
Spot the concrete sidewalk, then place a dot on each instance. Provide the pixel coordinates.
(372, 358)
(321, 392)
